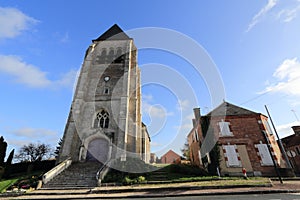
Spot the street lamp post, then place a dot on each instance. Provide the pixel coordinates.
(279, 142)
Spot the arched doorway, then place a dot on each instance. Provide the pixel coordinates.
(98, 150)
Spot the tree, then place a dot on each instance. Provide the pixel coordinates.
(8, 169)
(186, 150)
(3, 147)
(10, 157)
(34, 152)
(56, 152)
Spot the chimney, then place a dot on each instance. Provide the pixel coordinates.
(194, 123)
(296, 129)
(197, 113)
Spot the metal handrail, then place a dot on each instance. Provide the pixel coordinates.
(102, 172)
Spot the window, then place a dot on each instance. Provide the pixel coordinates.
(196, 136)
(111, 55)
(106, 90)
(224, 128)
(119, 52)
(264, 153)
(232, 156)
(102, 58)
(199, 156)
(102, 120)
(298, 150)
(267, 126)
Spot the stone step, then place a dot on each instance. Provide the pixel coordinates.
(158, 175)
(78, 175)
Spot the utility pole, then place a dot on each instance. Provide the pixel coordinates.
(273, 160)
(279, 142)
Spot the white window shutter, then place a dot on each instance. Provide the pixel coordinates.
(224, 128)
(264, 153)
(232, 157)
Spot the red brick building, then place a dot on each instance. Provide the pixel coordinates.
(292, 147)
(241, 137)
(170, 158)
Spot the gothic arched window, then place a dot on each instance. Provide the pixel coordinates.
(101, 59)
(111, 55)
(102, 119)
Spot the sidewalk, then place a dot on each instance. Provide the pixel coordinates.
(127, 192)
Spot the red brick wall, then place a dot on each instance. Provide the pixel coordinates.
(194, 145)
(247, 130)
(170, 157)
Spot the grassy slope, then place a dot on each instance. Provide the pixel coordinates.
(6, 183)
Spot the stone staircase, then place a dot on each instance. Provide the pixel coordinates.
(78, 175)
(158, 175)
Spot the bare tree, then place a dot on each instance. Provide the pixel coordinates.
(34, 152)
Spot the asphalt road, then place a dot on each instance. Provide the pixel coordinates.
(291, 196)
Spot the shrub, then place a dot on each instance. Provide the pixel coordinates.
(127, 181)
(141, 179)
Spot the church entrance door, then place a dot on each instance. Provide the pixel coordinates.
(98, 150)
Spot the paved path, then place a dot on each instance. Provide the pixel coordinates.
(286, 187)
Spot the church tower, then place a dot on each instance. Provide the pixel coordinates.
(105, 119)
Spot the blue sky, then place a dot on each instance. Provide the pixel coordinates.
(254, 45)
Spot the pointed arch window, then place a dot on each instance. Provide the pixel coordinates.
(119, 57)
(102, 119)
(111, 55)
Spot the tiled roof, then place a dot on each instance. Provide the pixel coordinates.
(172, 152)
(229, 109)
(291, 140)
(113, 33)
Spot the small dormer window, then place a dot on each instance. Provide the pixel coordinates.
(224, 128)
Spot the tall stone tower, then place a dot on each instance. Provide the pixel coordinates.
(105, 117)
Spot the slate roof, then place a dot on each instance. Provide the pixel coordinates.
(291, 140)
(229, 109)
(113, 33)
(170, 151)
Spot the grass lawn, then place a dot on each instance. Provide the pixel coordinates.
(6, 183)
(225, 181)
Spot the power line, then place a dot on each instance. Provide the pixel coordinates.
(295, 114)
(254, 98)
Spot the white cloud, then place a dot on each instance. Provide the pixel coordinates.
(65, 38)
(23, 72)
(31, 75)
(155, 110)
(147, 97)
(285, 130)
(183, 104)
(186, 125)
(288, 15)
(13, 22)
(288, 78)
(62, 37)
(23, 136)
(256, 19)
(156, 144)
(67, 79)
(33, 132)
(156, 116)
